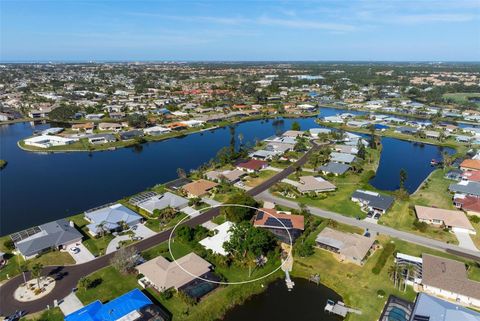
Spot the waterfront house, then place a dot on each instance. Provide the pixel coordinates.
(156, 130)
(46, 141)
(334, 168)
(454, 220)
(94, 116)
(162, 201)
(178, 183)
(199, 188)
(161, 274)
(131, 134)
(465, 188)
(101, 138)
(349, 247)
(470, 204)
(282, 224)
(215, 242)
(133, 305)
(53, 235)
(231, 176)
(110, 218)
(472, 176)
(448, 279)
(406, 130)
(430, 308)
(319, 131)
(454, 175)
(470, 165)
(372, 201)
(432, 134)
(314, 184)
(346, 149)
(252, 165)
(342, 158)
(263, 154)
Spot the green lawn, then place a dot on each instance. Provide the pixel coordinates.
(262, 177)
(111, 285)
(461, 98)
(54, 314)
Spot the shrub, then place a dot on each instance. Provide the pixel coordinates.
(474, 219)
(9, 245)
(421, 226)
(381, 293)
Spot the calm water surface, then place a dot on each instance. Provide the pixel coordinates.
(413, 157)
(37, 188)
(304, 303)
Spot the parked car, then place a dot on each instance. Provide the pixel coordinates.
(74, 250)
(370, 214)
(377, 216)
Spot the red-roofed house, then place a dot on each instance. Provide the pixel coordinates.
(269, 219)
(470, 165)
(473, 176)
(469, 204)
(252, 165)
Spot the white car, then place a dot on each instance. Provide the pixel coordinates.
(74, 250)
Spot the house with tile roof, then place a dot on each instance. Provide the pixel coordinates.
(470, 204)
(198, 188)
(282, 224)
(446, 278)
(315, 184)
(470, 165)
(252, 165)
(457, 221)
(349, 247)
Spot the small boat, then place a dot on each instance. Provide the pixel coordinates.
(434, 162)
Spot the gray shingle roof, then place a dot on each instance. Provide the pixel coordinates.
(378, 201)
(440, 310)
(335, 168)
(471, 188)
(163, 201)
(52, 234)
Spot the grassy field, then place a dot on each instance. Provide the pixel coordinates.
(54, 314)
(461, 98)
(262, 177)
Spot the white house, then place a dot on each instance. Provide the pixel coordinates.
(45, 141)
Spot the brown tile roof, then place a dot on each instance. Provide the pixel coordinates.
(449, 217)
(448, 275)
(200, 187)
(253, 164)
(297, 221)
(165, 274)
(471, 164)
(348, 244)
(311, 183)
(473, 176)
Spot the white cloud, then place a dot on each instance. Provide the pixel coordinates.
(305, 24)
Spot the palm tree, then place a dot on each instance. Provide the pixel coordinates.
(37, 272)
(101, 226)
(23, 268)
(83, 283)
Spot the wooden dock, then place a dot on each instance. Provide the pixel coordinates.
(340, 308)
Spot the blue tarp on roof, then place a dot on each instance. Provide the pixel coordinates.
(113, 310)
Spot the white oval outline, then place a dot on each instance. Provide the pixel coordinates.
(221, 282)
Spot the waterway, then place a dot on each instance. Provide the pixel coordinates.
(305, 302)
(413, 157)
(37, 188)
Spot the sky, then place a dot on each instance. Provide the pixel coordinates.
(239, 30)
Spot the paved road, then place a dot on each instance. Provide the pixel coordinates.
(381, 229)
(73, 273)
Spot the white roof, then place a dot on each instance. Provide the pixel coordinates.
(215, 243)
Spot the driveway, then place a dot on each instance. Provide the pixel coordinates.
(70, 304)
(190, 211)
(143, 231)
(465, 241)
(210, 202)
(113, 245)
(81, 257)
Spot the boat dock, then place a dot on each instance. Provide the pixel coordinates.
(340, 308)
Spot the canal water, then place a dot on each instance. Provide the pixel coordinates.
(37, 188)
(413, 157)
(305, 302)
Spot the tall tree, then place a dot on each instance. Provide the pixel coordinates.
(37, 272)
(403, 178)
(296, 126)
(124, 259)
